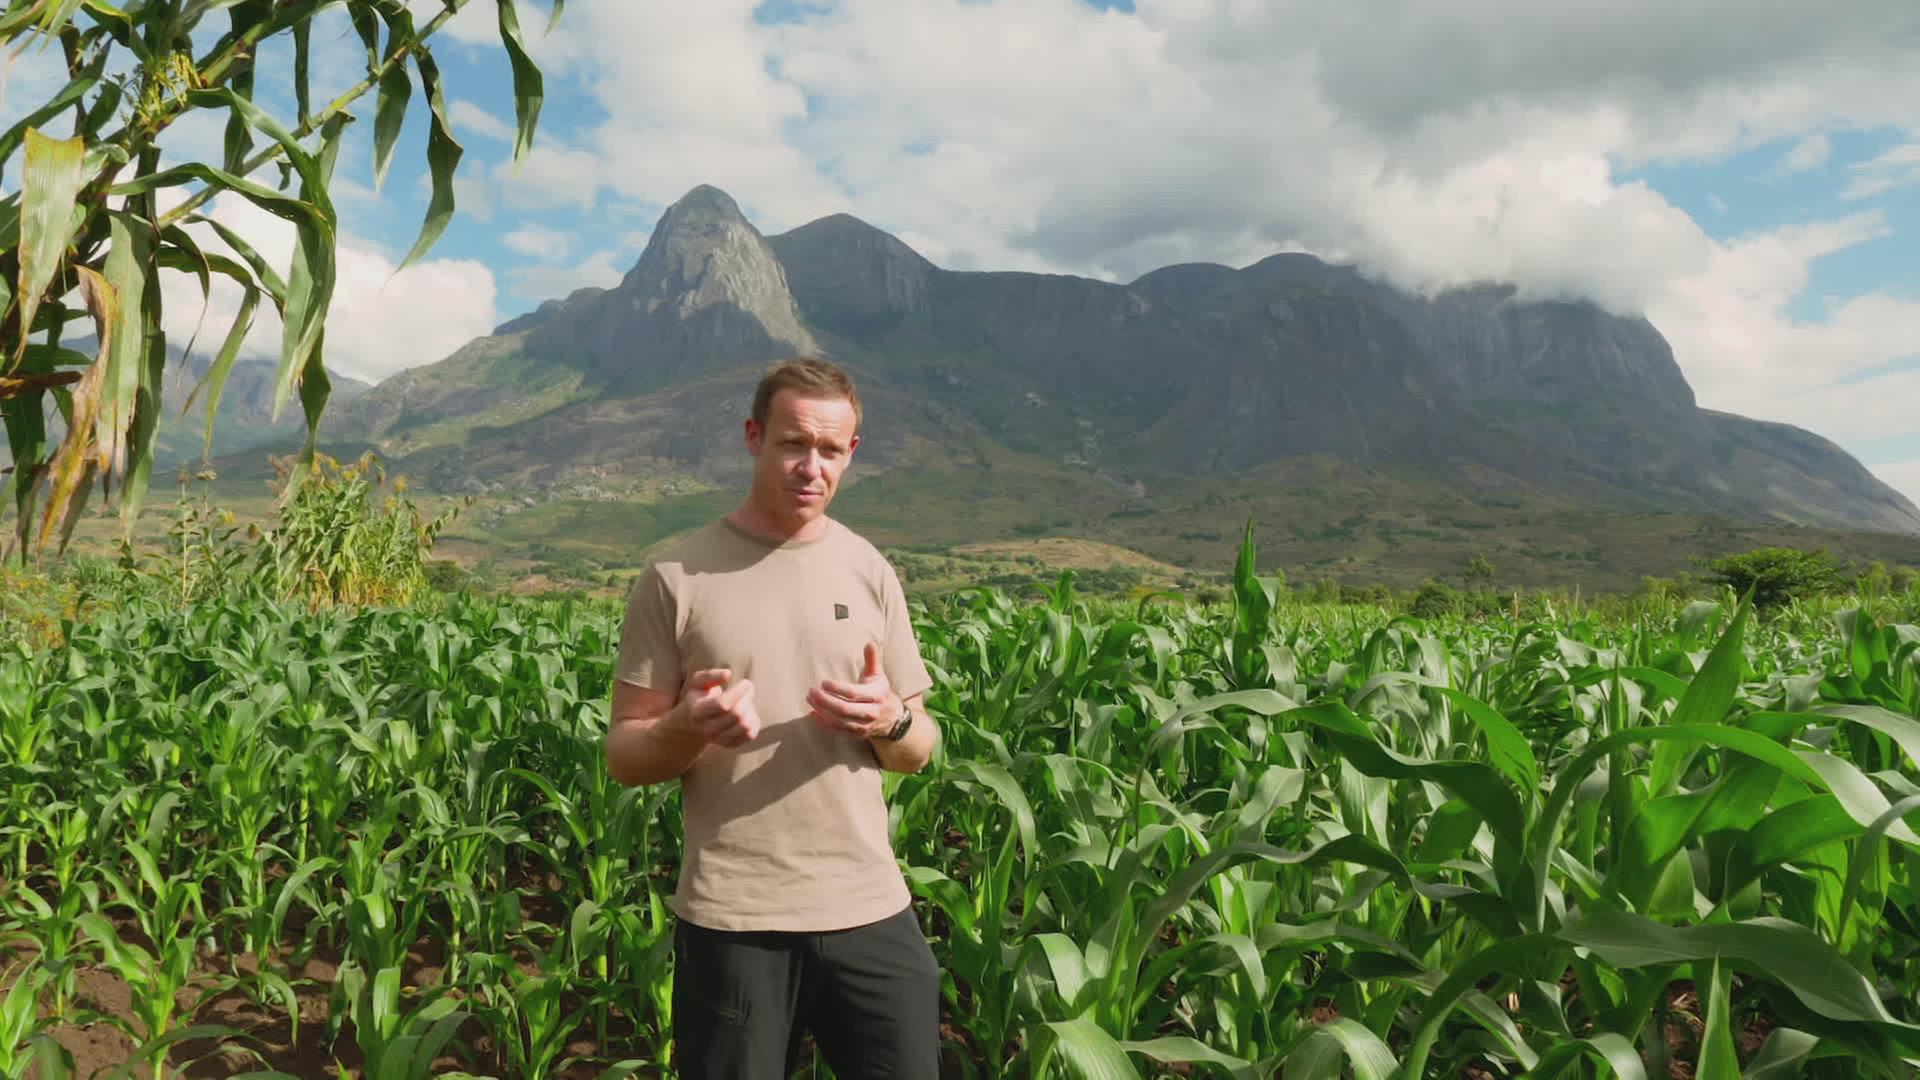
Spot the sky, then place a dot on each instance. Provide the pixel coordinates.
(1743, 173)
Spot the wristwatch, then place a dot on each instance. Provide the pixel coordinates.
(899, 729)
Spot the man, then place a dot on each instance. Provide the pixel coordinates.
(766, 662)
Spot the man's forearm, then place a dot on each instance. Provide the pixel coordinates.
(649, 751)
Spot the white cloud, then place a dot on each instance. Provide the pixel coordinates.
(539, 242)
(465, 116)
(378, 323)
(1902, 476)
(552, 175)
(1434, 146)
(1896, 168)
(1807, 154)
(602, 269)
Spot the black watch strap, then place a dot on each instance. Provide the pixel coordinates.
(900, 726)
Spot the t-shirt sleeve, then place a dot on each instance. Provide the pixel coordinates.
(900, 652)
(649, 653)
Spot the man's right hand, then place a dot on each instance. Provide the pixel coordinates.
(713, 708)
(655, 736)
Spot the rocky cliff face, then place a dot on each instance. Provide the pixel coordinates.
(854, 278)
(1202, 367)
(1190, 369)
(708, 292)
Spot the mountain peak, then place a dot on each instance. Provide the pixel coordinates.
(704, 202)
(847, 274)
(707, 293)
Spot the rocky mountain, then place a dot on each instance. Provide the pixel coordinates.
(245, 410)
(1189, 370)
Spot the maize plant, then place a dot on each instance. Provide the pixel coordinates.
(98, 217)
(1253, 840)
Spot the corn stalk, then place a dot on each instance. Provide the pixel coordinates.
(84, 240)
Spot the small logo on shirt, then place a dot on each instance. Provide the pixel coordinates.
(839, 611)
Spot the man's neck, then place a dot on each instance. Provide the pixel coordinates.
(774, 529)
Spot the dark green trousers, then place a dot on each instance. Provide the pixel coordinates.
(744, 1001)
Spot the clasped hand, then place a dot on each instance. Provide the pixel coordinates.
(865, 708)
(715, 708)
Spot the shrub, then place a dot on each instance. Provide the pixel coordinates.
(1434, 600)
(1778, 575)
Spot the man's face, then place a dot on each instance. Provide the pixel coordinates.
(799, 457)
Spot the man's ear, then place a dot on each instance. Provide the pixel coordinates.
(753, 436)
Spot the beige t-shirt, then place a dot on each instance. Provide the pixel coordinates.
(788, 832)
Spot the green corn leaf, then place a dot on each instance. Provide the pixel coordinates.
(298, 212)
(1782, 1056)
(620, 1070)
(151, 374)
(19, 15)
(1667, 684)
(263, 272)
(215, 378)
(366, 23)
(127, 270)
(1783, 952)
(1002, 784)
(180, 251)
(1860, 795)
(1506, 747)
(25, 420)
(1904, 731)
(237, 142)
(395, 89)
(146, 1051)
(1180, 1050)
(1068, 967)
(528, 85)
(302, 82)
(1606, 1049)
(1546, 827)
(1181, 887)
(1786, 834)
(1866, 852)
(51, 1060)
(309, 289)
(1083, 1050)
(1321, 1052)
(1718, 1058)
(52, 174)
(1663, 826)
(1707, 700)
(60, 14)
(1479, 785)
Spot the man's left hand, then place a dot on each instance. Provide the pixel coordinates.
(867, 708)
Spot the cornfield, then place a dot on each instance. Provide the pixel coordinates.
(1254, 840)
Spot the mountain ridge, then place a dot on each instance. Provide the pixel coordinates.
(1191, 369)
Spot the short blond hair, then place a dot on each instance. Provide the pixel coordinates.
(811, 377)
